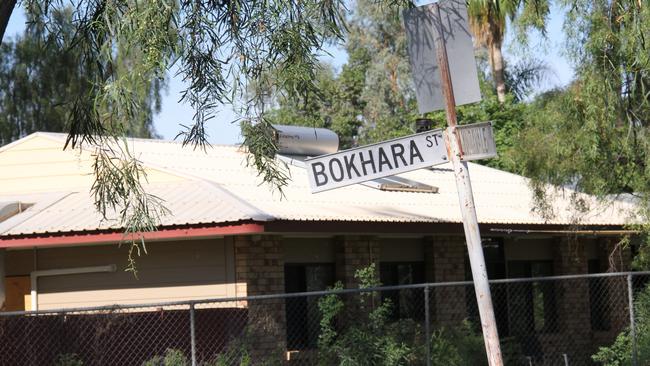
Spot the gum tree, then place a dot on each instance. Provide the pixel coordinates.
(593, 135)
(220, 48)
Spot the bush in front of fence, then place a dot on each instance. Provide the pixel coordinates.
(458, 346)
(620, 353)
(172, 357)
(359, 332)
(68, 359)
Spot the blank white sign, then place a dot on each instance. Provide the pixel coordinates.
(421, 31)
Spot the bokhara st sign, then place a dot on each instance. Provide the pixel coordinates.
(376, 161)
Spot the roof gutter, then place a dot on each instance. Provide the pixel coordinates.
(567, 232)
(44, 240)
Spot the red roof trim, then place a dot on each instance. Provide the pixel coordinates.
(115, 237)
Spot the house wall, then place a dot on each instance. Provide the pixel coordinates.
(259, 270)
(528, 249)
(309, 250)
(396, 249)
(254, 265)
(172, 271)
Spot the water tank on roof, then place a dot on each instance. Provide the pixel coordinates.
(306, 141)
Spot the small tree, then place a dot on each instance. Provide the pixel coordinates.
(620, 352)
(367, 337)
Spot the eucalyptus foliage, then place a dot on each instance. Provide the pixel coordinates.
(221, 48)
(335, 105)
(372, 98)
(41, 77)
(593, 135)
(620, 353)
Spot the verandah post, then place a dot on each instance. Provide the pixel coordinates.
(192, 335)
(427, 322)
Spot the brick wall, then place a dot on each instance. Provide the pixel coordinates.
(572, 297)
(259, 270)
(614, 258)
(447, 256)
(354, 253)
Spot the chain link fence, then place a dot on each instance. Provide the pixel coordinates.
(563, 320)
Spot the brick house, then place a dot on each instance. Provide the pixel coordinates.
(229, 236)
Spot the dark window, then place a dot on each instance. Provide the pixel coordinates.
(495, 263)
(408, 303)
(302, 313)
(533, 304)
(598, 296)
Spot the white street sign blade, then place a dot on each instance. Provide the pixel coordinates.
(477, 141)
(374, 161)
(421, 31)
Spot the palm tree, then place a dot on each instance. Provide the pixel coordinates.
(488, 19)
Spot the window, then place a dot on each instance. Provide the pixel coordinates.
(533, 304)
(407, 303)
(302, 313)
(598, 296)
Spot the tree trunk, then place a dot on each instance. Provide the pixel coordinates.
(496, 61)
(6, 8)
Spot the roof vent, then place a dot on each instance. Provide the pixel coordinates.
(306, 141)
(9, 209)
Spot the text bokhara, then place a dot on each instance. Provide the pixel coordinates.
(375, 161)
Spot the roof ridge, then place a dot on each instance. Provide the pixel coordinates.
(62, 135)
(19, 141)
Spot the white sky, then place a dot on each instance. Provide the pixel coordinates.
(221, 131)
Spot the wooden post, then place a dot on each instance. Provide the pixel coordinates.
(467, 208)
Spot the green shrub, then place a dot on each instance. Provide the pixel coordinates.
(620, 352)
(68, 359)
(458, 346)
(173, 357)
(233, 357)
(365, 338)
(238, 353)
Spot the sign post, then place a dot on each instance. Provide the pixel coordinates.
(462, 143)
(466, 201)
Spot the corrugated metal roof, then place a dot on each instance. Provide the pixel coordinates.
(217, 187)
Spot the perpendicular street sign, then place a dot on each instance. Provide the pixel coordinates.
(477, 141)
(378, 160)
(421, 32)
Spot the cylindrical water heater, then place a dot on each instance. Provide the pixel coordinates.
(309, 141)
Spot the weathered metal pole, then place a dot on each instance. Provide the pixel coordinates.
(192, 335)
(467, 208)
(630, 304)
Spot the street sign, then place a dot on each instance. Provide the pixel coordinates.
(422, 30)
(463, 182)
(376, 161)
(477, 141)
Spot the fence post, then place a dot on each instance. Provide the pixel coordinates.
(192, 335)
(427, 322)
(630, 304)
